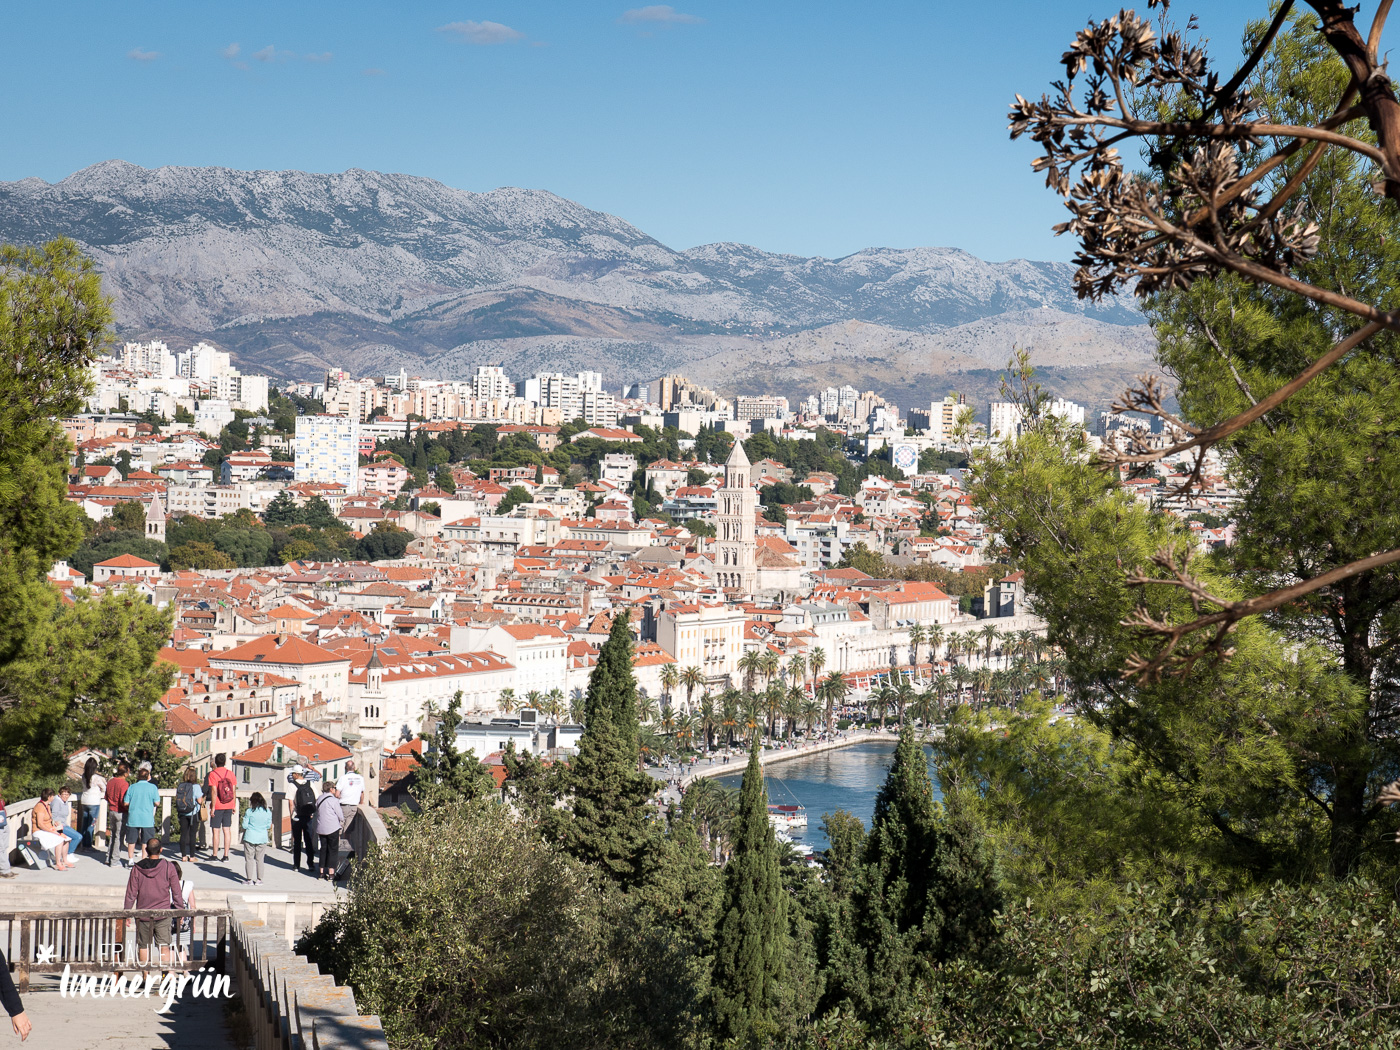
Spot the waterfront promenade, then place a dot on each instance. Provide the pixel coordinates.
(723, 763)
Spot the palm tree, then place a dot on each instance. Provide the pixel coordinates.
(960, 678)
(646, 708)
(880, 701)
(934, 636)
(923, 707)
(769, 666)
(990, 636)
(709, 720)
(668, 721)
(576, 710)
(749, 665)
(835, 688)
(797, 668)
(916, 639)
(811, 713)
(533, 698)
(692, 678)
(793, 700)
(773, 698)
(982, 682)
(506, 701)
(554, 704)
(685, 729)
(816, 661)
(670, 678)
(729, 705)
(751, 714)
(905, 693)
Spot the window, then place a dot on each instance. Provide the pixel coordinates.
(247, 775)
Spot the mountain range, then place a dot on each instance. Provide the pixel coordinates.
(294, 272)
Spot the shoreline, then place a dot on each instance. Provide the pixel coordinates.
(785, 754)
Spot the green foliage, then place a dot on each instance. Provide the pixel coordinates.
(196, 555)
(860, 557)
(700, 527)
(783, 492)
(316, 513)
(606, 827)
(514, 497)
(283, 510)
(70, 675)
(925, 893)
(385, 543)
(445, 775)
(467, 930)
(296, 550)
(751, 944)
(444, 480)
(246, 548)
(933, 461)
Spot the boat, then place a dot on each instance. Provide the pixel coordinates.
(784, 817)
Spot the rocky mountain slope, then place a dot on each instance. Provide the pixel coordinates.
(294, 271)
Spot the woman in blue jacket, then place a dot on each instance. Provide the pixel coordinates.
(257, 823)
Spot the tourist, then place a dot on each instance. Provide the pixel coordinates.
(257, 822)
(303, 820)
(182, 926)
(187, 799)
(47, 835)
(5, 872)
(116, 813)
(152, 884)
(94, 786)
(329, 821)
(223, 790)
(142, 798)
(350, 788)
(14, 1006)
(61, 805)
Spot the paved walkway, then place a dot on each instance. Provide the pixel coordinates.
(66, 1023)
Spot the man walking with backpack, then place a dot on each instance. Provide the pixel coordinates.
(303, 820)
(224, 788)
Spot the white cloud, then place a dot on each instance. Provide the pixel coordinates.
(137, 54)
(232, 51)
(371, 72)
(271, 54)
(658, 13)
(482, 32)
(324, 56)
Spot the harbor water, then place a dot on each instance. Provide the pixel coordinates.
(848, 778)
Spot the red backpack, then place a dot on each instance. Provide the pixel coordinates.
(224, 790)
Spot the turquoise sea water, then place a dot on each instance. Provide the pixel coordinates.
(847, 778)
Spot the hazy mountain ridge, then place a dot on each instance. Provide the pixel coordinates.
(292, 269)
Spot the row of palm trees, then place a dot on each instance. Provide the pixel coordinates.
(986, 642)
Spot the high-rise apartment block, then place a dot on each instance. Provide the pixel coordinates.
(328, 450)
(760, 406)
(491, 382)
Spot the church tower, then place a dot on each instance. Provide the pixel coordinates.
(735, 547)
(155, 520)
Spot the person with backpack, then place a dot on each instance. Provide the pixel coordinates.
(303, 820)
(187, 799)
(329, 821)
(116, 813)
(223, 786)
(142, 802)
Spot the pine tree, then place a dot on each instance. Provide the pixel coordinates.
(446, 774)
(751, 949)
(607, 825)
(926, 893)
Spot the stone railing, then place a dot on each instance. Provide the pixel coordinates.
(366, 828)
(291, 1005)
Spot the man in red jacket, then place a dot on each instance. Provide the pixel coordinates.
(153, 883)
(116, 812)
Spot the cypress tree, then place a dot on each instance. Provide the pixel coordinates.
(927, 892)
(607, 826)
(751, 944)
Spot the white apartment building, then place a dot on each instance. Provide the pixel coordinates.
(392, 690)
(1066, 410)
(539, 653)
(153, 358)
(202, 363)
(760, 406)
(820, 541)
(710, 637)
(247, 392)
(212, 415)
(490, 382)
(1003, 420)
(328, 451)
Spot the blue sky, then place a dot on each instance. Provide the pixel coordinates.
(814, 128)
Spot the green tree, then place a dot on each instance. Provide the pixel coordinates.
(445, 775)
(444, 480)
(751, 943)
(859, 556)
(316, 513)
(384, 543)
(105, 544)
(247, 548)
(296, 550)
(199, 556)
(514, 497)
(283, 510)
(926, 893)
(606, 824)
(70, 675)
